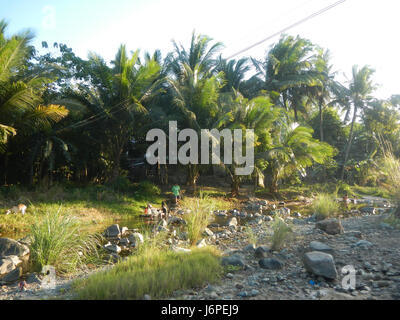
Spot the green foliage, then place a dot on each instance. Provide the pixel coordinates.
(57, 241)
(154, 271)
(282, 233)
(197, 220)
(325, 206)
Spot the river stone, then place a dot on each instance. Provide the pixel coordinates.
(12, 276)
(112, 248)
(354, 233)
(8, 264)
(11, 247)
(208, 232)
(135, 239)
(270, 263)
(330, 226)
(319, 246)
(320, 264)
(368, 210)
(233, 260)
(261, 251)
(363, 244)
(249, 248)
(201, 243)
(113, 231)
(176, 220)
(232, 222)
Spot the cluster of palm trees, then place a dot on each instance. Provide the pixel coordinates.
(73, 119)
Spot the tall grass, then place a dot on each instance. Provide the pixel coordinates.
(282, 233)
(197, 220)
(325, 206)
(56, 240)
(154, 271)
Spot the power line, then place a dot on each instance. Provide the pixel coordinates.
(289, 27)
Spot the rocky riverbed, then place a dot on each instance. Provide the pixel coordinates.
(310, 266)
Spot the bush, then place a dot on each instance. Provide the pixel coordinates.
(324, 206)
(147, 188)
(57, 241)
(121, 184)
(199, 217)
(154, 271)
(281, 234)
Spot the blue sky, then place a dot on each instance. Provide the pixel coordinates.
(356, 32)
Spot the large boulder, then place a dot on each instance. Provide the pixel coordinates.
(330, 226)
(11, 247)
(320, 264)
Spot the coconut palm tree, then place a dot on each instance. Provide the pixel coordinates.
(195, 88)
(355, 98)
(256, 114)
(288, 70)
(234, 72)
(116, 99)
(294, 149)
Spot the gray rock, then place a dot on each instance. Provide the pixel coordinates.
(112, 248)
(270, 263)
(12, 276)
(354, 233)
(368, 210)
(113, 231)
(33, 278)
(320, 264)
(11, 247)
(363, 244)
(261, 251)
(233, 260)
(232, 222)
(330, 226)
(319, 246)
(8, 264)
(249, 248)
(201, 243)
(207, 232)
(176, 220)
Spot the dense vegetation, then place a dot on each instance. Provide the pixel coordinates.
(72, 120)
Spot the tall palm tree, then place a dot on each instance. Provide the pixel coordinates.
(288, 70)
(256, 114)
(234, 72)
(194, 88)
(117, 98)
(355, 98)
(22, 111)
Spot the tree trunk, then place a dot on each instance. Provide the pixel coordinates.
(235, 185)
(321, 119)
(274, 183)
(346, 155)
(193, 174)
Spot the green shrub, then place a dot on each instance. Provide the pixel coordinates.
(199, 217)
(282, 233)
(121, 184)
(324, 206)
(154, 271)
(147, 188)
(57, 241)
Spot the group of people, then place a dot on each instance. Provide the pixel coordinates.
(163, 213)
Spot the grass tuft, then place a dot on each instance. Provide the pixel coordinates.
(154, 271)
(325, 206)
